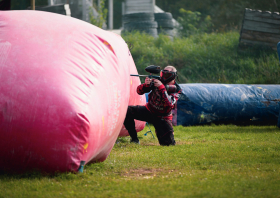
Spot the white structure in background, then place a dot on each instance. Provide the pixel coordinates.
(158, 10)
(51, 2)
(110, 14)
(81, 9)
(136, 6)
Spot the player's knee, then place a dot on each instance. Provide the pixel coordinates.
(130, 111)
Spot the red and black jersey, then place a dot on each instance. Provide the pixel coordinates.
(160, 101)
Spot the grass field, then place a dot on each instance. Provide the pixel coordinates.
(208, 161)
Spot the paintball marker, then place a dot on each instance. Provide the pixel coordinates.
(152, 69)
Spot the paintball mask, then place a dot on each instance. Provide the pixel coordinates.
(167, 76)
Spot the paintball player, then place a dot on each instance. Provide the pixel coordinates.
(158, 109)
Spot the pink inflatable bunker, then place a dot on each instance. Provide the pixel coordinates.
(64, 91)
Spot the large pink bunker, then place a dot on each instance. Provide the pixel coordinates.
(64, 91)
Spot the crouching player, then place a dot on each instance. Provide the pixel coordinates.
(162, 98)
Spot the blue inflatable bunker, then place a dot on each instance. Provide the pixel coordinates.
(228, 104)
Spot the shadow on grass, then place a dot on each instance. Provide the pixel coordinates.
(257, 129)
(58, 175)
(226, 128)
(36, 174)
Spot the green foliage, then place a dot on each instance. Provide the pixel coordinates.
(102, 15)
(206, 58)
(208, 161)
(192, 23)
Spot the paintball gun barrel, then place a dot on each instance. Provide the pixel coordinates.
(152, 69)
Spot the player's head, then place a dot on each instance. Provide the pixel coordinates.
(168, 74)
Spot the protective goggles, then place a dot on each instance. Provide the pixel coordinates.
(167, 76)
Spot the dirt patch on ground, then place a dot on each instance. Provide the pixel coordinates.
(145, 173)
(157, 144)
(182, 143)
(149, 144)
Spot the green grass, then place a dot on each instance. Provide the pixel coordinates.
(206, 58)
(208, 161)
